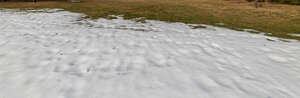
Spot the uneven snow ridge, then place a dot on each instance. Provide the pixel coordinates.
(58, 54)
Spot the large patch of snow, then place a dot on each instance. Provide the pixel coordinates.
(58, 54)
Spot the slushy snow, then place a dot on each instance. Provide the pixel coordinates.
(58, 54)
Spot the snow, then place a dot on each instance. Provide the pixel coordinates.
(296, 35)
(58, 54)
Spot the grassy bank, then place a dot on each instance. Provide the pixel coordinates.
(277, 19)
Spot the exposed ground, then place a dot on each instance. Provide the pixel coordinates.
(278, 19)
(58, 54)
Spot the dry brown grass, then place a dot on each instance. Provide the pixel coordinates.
(275, 18)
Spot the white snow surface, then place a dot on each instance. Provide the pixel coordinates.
(58, 54)
(297, 35)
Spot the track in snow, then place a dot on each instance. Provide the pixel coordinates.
(56, 54)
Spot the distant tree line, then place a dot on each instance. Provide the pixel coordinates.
(296, 2)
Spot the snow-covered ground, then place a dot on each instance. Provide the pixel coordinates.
(58, 54)
(297, 35)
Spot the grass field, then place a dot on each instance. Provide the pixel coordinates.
(277, 19)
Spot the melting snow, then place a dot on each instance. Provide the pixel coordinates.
(57, 54)
(297, 35)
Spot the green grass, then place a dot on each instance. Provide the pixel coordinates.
(277, 19)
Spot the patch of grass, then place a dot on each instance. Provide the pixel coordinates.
(277, 19)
